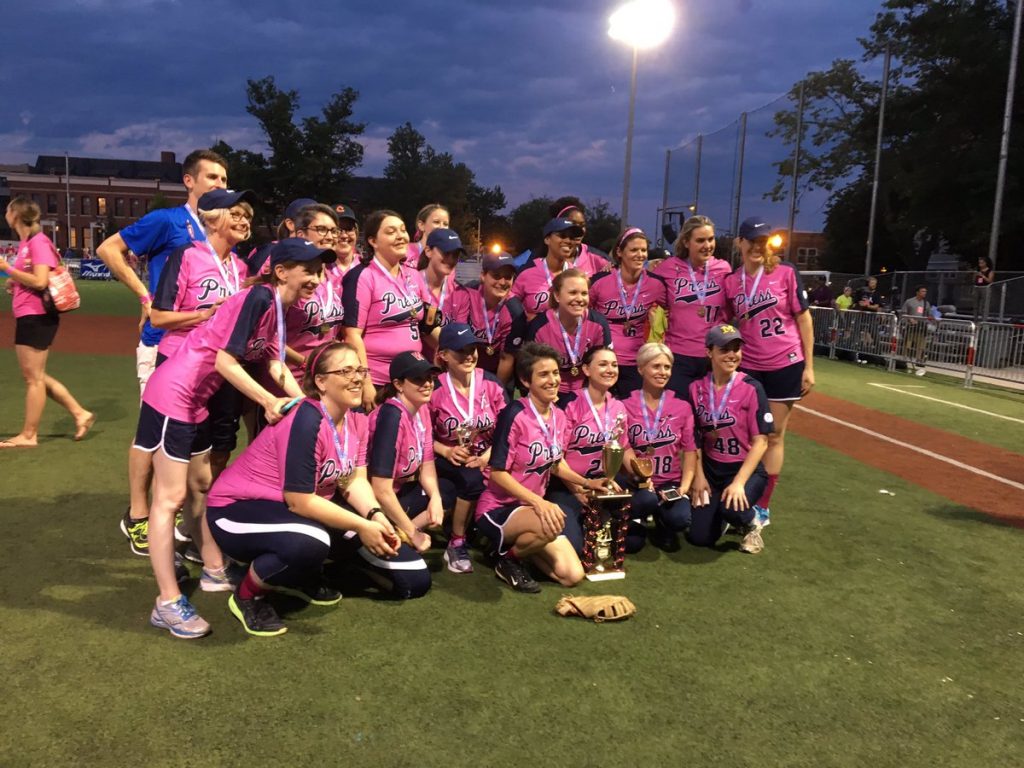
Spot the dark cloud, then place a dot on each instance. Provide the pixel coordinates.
(532, 95)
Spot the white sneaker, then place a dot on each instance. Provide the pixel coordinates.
(920, 371)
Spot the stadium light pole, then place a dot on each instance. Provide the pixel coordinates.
(642, 25)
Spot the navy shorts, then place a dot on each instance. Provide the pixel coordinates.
(684, 370)
(782, 385)
(225, 409)
(36, 331)
(180, 441)
(492, 525)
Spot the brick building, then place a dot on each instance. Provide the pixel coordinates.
(808, 249)
(104, 195)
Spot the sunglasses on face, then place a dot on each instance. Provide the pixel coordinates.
(419, 381)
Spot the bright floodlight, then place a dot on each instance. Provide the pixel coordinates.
(642, 23)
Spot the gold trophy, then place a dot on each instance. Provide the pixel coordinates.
(606, 517)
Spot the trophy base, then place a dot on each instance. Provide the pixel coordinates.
(609, 498)
(606, 574)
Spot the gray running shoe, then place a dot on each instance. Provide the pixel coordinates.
(179, 618)
(457, 559)
(257, 616)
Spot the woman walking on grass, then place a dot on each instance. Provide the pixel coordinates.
(35, 327)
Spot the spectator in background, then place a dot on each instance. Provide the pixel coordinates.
(821, 294)
(918, 313)
(985, 274)
(845, 300)
(867, 299)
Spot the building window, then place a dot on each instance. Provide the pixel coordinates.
(86, 240)
(136, 207)
(74, 238)
(51, 203)
(101, 206)
(72, 202)
(119, 206)
(812, 253)
(87, 205)
(37, 199)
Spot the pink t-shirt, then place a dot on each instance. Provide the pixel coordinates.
(400, 443)
(547, 329)
(297, 455)
(388, 309)
(507, 322)
(766, 318)
(744, 414)
(587, 435)
(627, 316)
(310, 322)
(449, 408)
(191, 280)
(522, 449)
(687, 327)
(661, 438)
(245, 326)
(36, 250)
(533, 283)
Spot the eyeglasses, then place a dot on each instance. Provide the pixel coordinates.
(349, 372)
(419, 381)
(237, 216)
(323, 231)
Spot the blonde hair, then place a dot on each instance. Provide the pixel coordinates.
(692, 223)
(212, 217)
(650, 351)
(27, 212)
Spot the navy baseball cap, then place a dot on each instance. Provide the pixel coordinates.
(561, 225)
(345, 212)
(456, 336)
(217, 199)
(299, 249)
(755, 227)
(720, 335)
(409, 365)
(292, 211)
(492, 262)
(445, 239)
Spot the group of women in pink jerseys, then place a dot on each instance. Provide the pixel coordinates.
(386, 417)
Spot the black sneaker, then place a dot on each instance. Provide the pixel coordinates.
(137, 532)
(257, 616)
(513, 573)
(318, 594)
(665, 540)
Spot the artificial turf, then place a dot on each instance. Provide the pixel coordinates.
(874, 630)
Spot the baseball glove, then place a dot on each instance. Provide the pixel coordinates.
(599, 608)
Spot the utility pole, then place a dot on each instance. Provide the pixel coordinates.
(878, 162)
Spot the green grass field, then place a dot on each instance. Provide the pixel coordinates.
(874, 631)
(99, 297)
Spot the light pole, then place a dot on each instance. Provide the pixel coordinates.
(641, 24)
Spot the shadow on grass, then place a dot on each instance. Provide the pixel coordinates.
(966, 514)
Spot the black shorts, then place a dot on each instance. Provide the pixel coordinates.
(36, 331)
(782, 385)
(492, 525)
(686, 369)
(179, 440)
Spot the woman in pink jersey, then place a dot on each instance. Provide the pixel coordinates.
(463, 410)
(496, 317)
(311, 322)
(402, 470)
(695, 282)
(625, 295)
(594, 416)
(430, 217)
(528, 447)
(35, 327)
(660, 428)
(733, 420)
(345, 244)
(387, 304)
(571, 327)
(194, 282)
(247, 328)
(298, 495)
(437, 264)
(768, 304)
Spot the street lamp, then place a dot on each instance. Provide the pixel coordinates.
(640, 24)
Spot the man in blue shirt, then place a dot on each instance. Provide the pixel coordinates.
(154, 237)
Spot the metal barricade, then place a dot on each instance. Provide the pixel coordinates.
(824, 320)
(870, 334)
(1000, 352)
(942, 344)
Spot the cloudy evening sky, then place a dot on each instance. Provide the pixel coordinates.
(531, 95)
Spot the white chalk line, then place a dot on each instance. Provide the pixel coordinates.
(916, 449)
(947, 402)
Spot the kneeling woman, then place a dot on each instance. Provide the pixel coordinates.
(660, 429)
(528, 447)
(735, 421)
(402, 470)
(285, 504)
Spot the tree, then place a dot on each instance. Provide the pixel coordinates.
(311, 156)
(941, 139)
(526, 222)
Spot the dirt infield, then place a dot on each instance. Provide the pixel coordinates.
(960, 485)
(88, 334)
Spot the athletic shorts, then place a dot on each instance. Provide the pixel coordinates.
(178, 440)
(684, 370)
(492, 525)
(782, 385)
(145, 364)
(36, 331)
